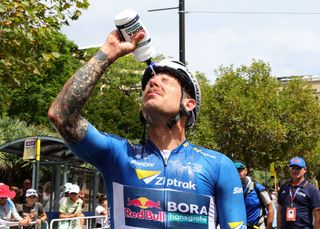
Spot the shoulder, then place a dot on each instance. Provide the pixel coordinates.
(38, 205)
(259, 186)
(99, 209)
(10, 203)
(216, 161)
(210, 154)
(97, 138)
(79, 201)
(312, 188)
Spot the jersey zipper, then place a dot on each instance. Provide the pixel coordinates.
(165, 162)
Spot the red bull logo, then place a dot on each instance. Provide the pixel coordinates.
(144, 204)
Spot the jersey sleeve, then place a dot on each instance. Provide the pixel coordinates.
(229, 197)
(14, 210)
(97, 148)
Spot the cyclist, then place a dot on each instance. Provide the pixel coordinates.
(260, 213)
(166, 181)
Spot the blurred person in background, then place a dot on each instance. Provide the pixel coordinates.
(258, 203)
(33, 209)
(71, 208)
(66, 189)
(22, 194)
(8, 211)
(102, 209)
(47, 199)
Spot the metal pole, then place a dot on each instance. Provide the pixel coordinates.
(182, 48)
(37, 167)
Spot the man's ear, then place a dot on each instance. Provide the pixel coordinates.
(189, 104)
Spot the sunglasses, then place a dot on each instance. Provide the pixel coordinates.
(297, 168)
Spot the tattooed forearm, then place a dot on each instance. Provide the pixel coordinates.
(65, 110)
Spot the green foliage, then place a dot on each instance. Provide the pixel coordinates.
(202, 133)
(257, 121)
(300, 116)
(12, 129)
(115, 104)
(26, 29)
(30, 102)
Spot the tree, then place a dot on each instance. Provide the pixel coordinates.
(115, 103)
(30, 102)
(258, 120)
(26, 28)
(202, 133)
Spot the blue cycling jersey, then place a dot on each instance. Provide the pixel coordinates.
(194, 188)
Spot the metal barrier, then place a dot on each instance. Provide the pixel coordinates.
(89, 222)
(11, 223)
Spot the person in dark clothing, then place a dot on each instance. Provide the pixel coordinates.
(22, 194)
(298, 199)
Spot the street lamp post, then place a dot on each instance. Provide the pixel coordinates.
(182, 48)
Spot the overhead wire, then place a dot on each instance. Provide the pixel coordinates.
(248, 12)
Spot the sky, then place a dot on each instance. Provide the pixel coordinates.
(289, 41)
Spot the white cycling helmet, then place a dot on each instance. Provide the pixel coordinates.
(188, 82)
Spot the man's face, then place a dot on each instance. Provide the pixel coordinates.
(31, 199)
(296, 171)
(73, 196)
(242, 173)
(161, 96)
(26, 184)
(3, 200)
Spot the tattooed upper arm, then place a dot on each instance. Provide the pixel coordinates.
(65, 111)
(75, 133)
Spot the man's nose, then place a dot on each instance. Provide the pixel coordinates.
(154, 81)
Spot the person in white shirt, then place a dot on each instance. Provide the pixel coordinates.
(66, 189)
(102, 209)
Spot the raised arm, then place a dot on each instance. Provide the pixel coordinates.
(64, 112)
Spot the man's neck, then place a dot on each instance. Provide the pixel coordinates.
(297, 181)
(165, 138)
(28, 205)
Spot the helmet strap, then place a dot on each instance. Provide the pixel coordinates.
(182, 112)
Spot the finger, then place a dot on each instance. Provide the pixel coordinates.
(137, 38)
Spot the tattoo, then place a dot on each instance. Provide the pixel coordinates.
(68, 104)
(102, 59)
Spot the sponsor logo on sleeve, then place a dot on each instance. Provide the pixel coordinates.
(237, 225)
(237, 190)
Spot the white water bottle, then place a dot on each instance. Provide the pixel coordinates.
(129, 24)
